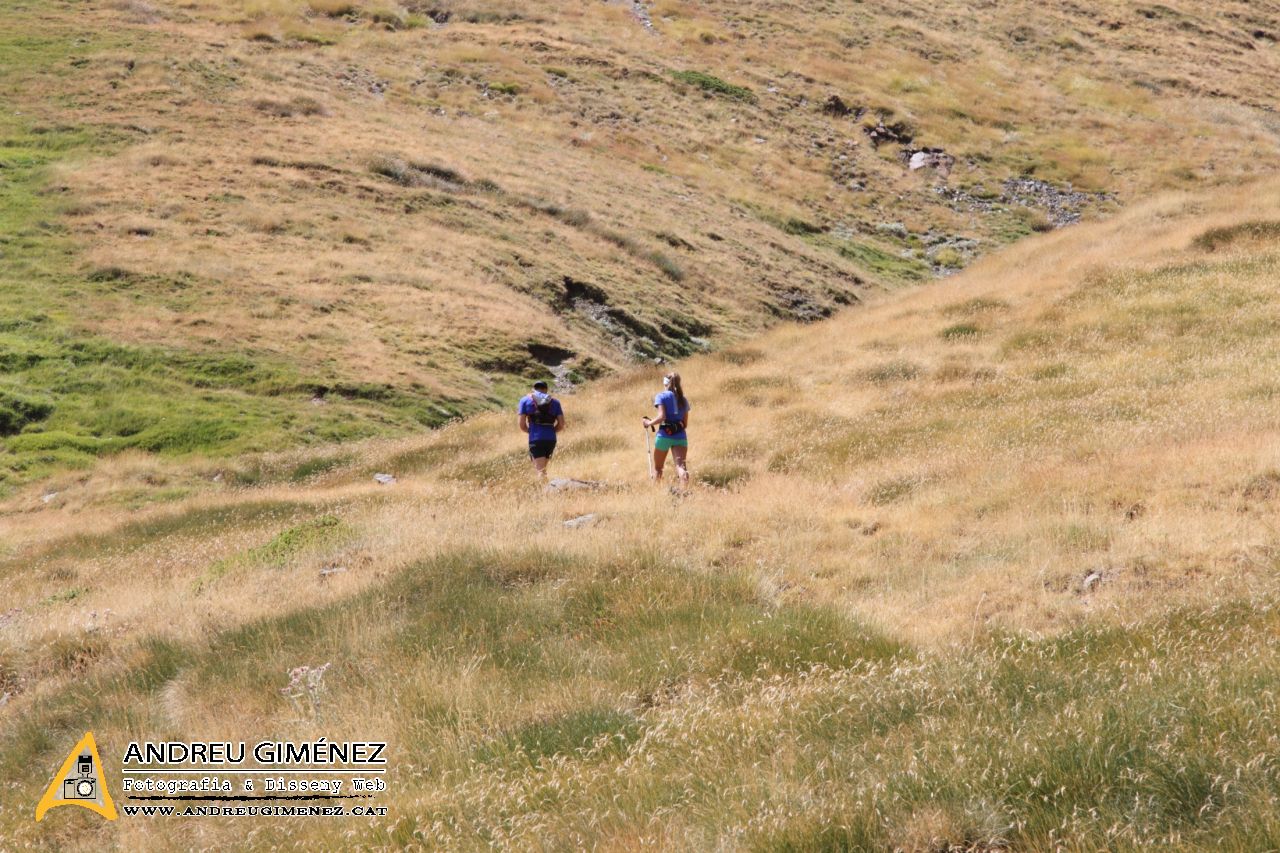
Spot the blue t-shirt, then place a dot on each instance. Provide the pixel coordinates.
(671, 411)
(540, 432)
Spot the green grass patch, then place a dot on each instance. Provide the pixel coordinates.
(324, 531)
(881, 263)
(715, 86)
(68, 397)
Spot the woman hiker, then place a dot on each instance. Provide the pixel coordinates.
(671, 424)
(541, 416)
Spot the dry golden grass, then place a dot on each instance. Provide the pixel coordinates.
(946, 467)
(986, 563)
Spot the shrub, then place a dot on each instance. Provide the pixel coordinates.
(409, 174)
(332, 8)
(317, 466)
(800, 227)
(892, 490)
(741, 356)
(103, 274)
(675, 241)
(622, 241)
(390, 16)
(714, 85)
(1034, 219)
(574, 216)
(301, 105)
(960, 331)
(747, 384)
(723, 476)
(949, 258)
(668, 266)
(977, 305)
(898, 370)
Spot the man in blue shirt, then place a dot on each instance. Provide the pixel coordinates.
(541, 416)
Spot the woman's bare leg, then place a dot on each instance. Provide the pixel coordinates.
(659, 458)
(680, 454)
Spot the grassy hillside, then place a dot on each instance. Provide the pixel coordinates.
(243, 225)
(982, 565)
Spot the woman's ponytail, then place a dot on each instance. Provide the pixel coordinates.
(678, 390)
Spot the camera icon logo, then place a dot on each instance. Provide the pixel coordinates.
(79, 782)
(84, 786)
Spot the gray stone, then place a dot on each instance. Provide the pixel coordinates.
(568, 484)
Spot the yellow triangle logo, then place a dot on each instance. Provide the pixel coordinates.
(79, 783)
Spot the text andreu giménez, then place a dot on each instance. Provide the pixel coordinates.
(267, 752)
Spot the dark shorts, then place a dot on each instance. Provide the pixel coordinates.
(541, 449)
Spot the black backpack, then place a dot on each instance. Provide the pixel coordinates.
(542, 414)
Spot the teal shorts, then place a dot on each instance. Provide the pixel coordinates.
(664, 443)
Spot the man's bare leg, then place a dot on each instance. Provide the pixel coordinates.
(540, 465)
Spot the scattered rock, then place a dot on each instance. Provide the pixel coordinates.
(49, 496)
(360, 79)
(581, 521)
(1060, 205)
(1063, 205)
(568, 484)
(929, 158)
(384, 479)
(332, 570)
(899, 132)
(319, 401)
(1091, 580)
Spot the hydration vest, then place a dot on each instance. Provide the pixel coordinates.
(542, 415)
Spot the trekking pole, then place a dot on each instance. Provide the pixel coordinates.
(648, 446)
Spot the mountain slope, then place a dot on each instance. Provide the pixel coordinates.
(243, 226)
(987, 564)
